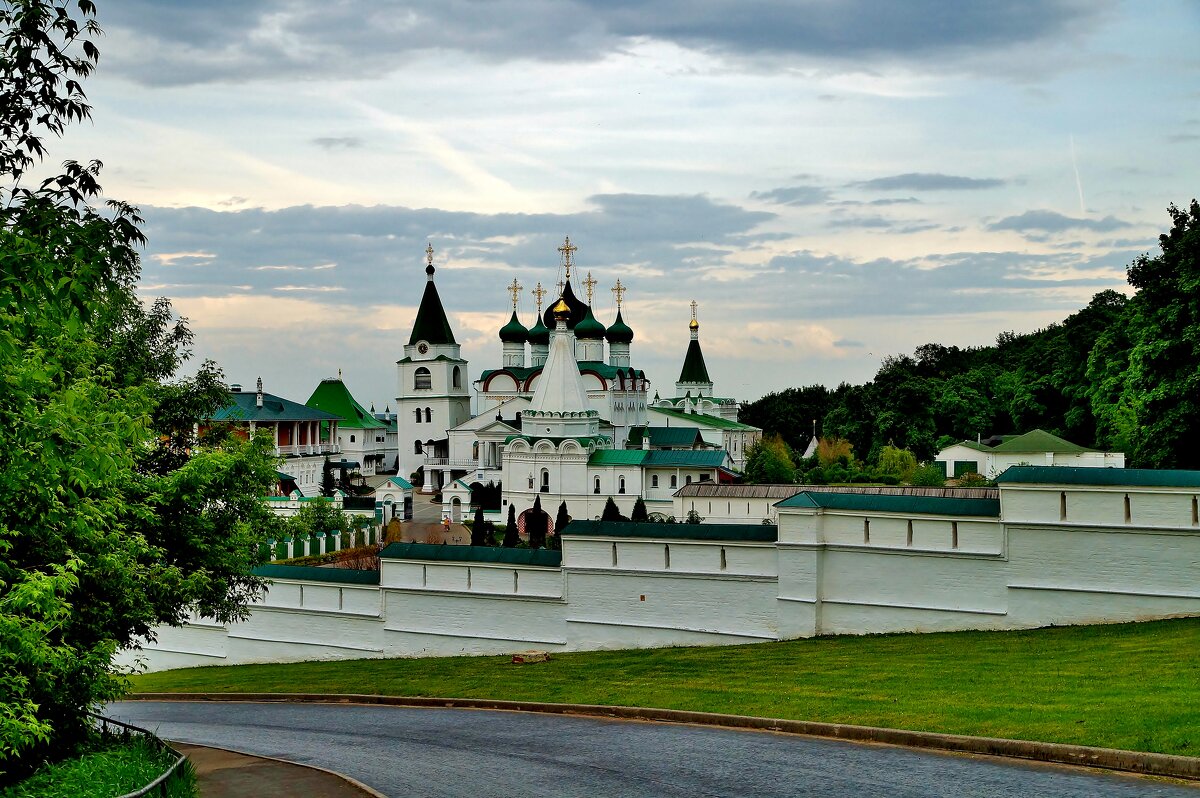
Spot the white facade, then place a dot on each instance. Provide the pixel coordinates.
(1056, 554)
(993, 463)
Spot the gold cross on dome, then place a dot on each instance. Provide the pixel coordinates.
(590, 285)
(428, 254)
(514, 288)
(566, 249)
(619, 290)
(538, 293)
(693, 310)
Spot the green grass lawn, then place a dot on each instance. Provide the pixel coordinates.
(1132, 686)
(110, 766)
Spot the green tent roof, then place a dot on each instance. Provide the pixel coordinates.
(431, 325)
(243, 407)
(767, 533)
(332, 396)
(1039, 441)
(694, 369)
(1080, 475)
(891, 503)
(493, 554)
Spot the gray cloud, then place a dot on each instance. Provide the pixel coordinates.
(793, 195)
(1052, 222)
(1183, 138)
(224, 40)
(928, 181)
(338, 142)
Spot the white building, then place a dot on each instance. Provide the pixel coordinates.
(1037, 447)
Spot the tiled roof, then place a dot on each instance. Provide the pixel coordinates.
(726, 491)
(890, 503)
(1039, 441)
(767, 533)
(1079, 475)
(242, 407)
(332, 396)
(427, 551)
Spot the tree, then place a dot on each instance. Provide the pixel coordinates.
(610, 512)
(479, 529)
(328, 484)
(316, 516)
(535, 525)
(1163, 387)
(114, 517)
(899, 463)
(768, 461)
(693, 517)
(639, 513)
(511, 536)
(929, 475)
(560, 523)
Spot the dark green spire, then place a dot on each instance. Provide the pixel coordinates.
(694, 369)
(431, 325)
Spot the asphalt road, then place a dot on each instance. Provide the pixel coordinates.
(477, 753)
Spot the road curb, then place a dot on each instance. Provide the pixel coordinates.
(366, 789)
(1149, 764)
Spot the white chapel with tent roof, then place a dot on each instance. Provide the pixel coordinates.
(560, 419)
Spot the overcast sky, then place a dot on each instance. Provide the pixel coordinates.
(832, 181)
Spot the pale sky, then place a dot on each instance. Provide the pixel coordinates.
(832, 181)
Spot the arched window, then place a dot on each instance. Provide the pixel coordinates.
(422, 379)
(352, 439)
(596, 486)
(654, 481)
(428, 415)
(621, 485)
(417, 447)
(545, 481)
(674, 481)
(417, 413)
(456, 377)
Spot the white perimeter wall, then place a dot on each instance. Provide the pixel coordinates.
(826, 575)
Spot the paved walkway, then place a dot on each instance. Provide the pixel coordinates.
(224, 774)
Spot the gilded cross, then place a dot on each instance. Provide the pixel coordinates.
(590, 285)
(693, 310)
(428, 254)
(566, 249)
(515, 289)
(538, 293)
(619, 290)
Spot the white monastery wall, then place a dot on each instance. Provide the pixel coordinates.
(822, 576)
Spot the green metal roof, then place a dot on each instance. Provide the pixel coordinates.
(400, 482)
(431, 324)
(311, 573)
(1080, 475)
(978, 447)
(595, 366)
(514, 332)
(768, 533)
(493, 554)
(332, 396)
(688, 458)
(702, 419)
(694, 369)
(1039, 441)
(605, 457)
(243, 407)
(619, 332)
(666, 436)
(891, 503)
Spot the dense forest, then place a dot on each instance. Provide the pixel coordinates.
(1123, 373)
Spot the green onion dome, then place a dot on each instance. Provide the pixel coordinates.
(539, 334)
(619, 332)
(514, 332)
(588, 328)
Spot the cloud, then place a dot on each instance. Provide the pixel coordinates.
(1183, 138)
(229, 40)
(793, 195)
(338, 142)
(1054, 222)
(928, 181)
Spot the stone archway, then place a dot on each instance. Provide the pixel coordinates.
(456, 510)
